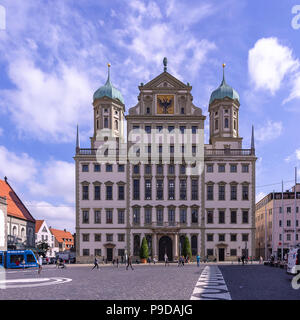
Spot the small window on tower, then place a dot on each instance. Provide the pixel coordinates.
(234, 124)
(105, 122)
(116, 125)
(148, 110)
(216, 125)
(226, 123)
(182, 110)
(226, 111)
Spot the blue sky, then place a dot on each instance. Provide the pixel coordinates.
(54, 54)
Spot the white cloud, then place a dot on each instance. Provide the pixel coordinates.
(269, 62)
(58, 217)
(56, 179)
(295, 92)
(295, 156)
(260, 196)
(19, 168)
(269, 131)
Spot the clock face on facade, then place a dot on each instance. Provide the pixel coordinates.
(165, 104)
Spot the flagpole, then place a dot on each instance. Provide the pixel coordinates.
(282, 211)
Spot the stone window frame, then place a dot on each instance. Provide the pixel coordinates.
(183, 207)
(109, 184)
(121, 210)
(160, 207)
(213, 215)
(245, 234)
(85, 237)
(171, 207)
(88, 211)
(221, 165)
(136, 207)
(112, 215)
(222, 210)
(248, 216)
(107, 235)
(244, 184)
(209, 165)
(97, 184)
(85, 164)
(195, 207)
(231, 166)
(123, 237)
(219, 236)
(236, 215)
(85, 184)
(148, 207)
(233, 183)
(180, 188)
(210, 184)
(99, 235)
(85, 252)
(245, 165)
(209, 235)
(222, 184)
(97, 210)
(121, 183)
(236, 237)
(97, 164)
(136, 194)
(192, 192)
(146, 188)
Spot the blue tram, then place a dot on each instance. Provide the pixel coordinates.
(18, 259)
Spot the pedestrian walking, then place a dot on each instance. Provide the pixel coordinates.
(96, 264)
(129, 263)
(198, 260)
(117, 262)
(261, 260)
(166, 260)
(40, 264)
(154, 260)
(243, 259)
(23, 264)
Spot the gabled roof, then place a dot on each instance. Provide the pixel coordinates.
(165, 77)
(15, 206)
(38, 224)
(61, 234)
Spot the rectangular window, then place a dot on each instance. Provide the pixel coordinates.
(221, 237)
(109, 237)
(85, 216)
(171, 189)
(245, 195)
(183, 215)
(182, 129)
(280, 223)
(109, 216)
(121, 168)
(233, 217)
(182, 169)
(97, 192)
(210, 252)
(210, 168)
(233, 168)
(288, 209)
(108, 167)
(148, 129)
(159, 169)
(194, 189)
(136, 169)
(288, 223)
(210, 216)
(288, 237)
(85, 192)
(136, 189)
(221, 192)
(147, 169)
(85, 237)
(210, 237)
(194, 129)
(97, 168)
(245, 217)
(121, 217)
(233, 252)
(148, 216)
(136, 216)
(159, 190)
(97, 252)
(245, 168)
(245, 237)
(148, 189)
(85, 168)
(85, 252)
(221, 216)
(97, 237)
(109, 192)
(221, 168)
(97, 215)
(121, 237)
(210, 192)
(170, 128)
(182, 189)
(121, 192)
(233, 237)
(171, 169)
(233, 192)
(171, 216)
(159, 216)
(194, 215)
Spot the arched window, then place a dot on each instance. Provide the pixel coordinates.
(234, 124)
(226, 123)
(194, 245)
(116, 125)
(194, 215)
(136, 245)
(22, 232)
(14, 231)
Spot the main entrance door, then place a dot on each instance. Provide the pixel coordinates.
(221, 254)
(165, 246)
(109, 252)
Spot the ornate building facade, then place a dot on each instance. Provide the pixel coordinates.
(165, 183)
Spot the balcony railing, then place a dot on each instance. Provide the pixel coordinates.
(229, 152)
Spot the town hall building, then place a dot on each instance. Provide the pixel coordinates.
(160, 181)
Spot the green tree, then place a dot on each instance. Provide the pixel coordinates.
(186, 250)
(144, 252)
(42, 248)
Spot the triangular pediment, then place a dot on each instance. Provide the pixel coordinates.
(165, 81)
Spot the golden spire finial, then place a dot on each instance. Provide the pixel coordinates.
(109, 65)
(223, 65)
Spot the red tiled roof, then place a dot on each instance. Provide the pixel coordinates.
(15, 206)
(38, 224)
(61, 234)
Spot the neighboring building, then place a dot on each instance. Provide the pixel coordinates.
(118, 204)
(20, 222)
(63, 240)
(43, 234)
(3, 224)
(276, 223)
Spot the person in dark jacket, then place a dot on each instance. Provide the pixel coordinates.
(129, 263)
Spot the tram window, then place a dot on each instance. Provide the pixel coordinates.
(15, 257)
(1, 259)
(30, 258)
